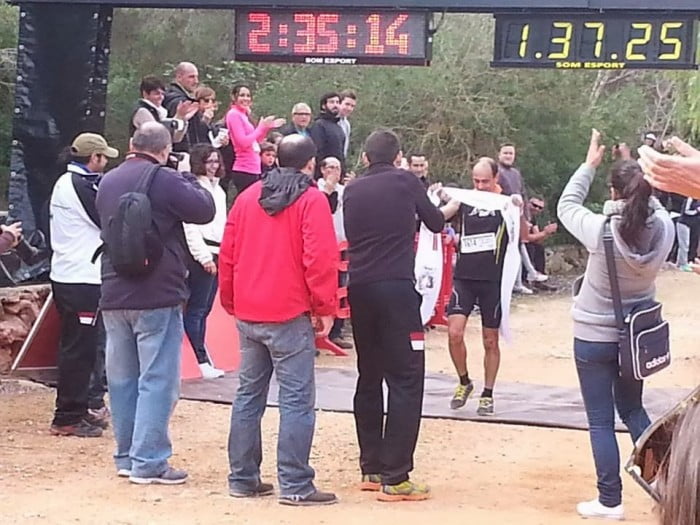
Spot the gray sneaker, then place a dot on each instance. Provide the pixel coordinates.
(263, 489)
(169, 477)
(485, 407)
(315, 498)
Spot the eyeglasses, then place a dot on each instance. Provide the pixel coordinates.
(651, 452)
(302, 114)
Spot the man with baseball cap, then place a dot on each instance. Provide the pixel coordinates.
(75, 281)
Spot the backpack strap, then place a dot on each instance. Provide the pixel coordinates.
(612, 274)
(144, 185)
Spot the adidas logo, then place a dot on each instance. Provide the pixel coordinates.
(657, 361)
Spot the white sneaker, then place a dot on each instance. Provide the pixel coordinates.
(523, 290)
(595, 509)
(539, 277)
(209, 372)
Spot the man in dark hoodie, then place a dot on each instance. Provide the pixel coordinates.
(326, 133)
(285, 222)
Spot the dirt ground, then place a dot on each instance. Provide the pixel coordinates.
(480, 473)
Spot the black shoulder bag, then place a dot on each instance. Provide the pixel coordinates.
(643, 334)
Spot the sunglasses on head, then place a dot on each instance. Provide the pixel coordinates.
(649, 459)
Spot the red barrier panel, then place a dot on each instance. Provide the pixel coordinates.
(448, 252)
(222, 344)
(343, 311)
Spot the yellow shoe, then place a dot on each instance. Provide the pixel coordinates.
(371, 482)
(405, 491)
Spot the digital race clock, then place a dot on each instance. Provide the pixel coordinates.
(595, 41)
(330, 36)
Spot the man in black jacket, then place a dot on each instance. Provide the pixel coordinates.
(380, 224)
(326, 133)
(182, 91)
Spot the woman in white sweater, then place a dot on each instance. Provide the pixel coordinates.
(643, 234)
(203, 241)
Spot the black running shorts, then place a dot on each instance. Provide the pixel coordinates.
(487, 294)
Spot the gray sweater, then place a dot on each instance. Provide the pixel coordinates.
(593, 313)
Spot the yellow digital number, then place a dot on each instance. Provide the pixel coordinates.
(630, 54)
(563, 41)
(599, 35)
(524, 36)
(671, 41)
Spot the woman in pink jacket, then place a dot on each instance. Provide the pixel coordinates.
(245, 137)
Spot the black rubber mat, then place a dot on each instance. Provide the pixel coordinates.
(515, 403)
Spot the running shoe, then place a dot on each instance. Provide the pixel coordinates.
(485, 406)
(462, 393)
(405, 491)
(595, 509)
(371, 482)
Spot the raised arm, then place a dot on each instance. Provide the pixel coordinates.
(581, 222)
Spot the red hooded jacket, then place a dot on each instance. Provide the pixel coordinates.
(279, 257)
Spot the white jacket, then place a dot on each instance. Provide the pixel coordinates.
(338, 224)
(203, 240)
(74, 235)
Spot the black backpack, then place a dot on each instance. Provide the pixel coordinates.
(130, 237)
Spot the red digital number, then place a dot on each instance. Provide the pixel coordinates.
(255, 35)
(331, 44)
(401, 40)
(375, 46)
(309, 32)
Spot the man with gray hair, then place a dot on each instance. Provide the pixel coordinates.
(301, 118)
(143, 313)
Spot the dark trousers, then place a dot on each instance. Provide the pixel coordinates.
(203, 288)
(336, 330)
(536, 252)
(384, 316)
(77, 308)
(98, 378)
(241, 180)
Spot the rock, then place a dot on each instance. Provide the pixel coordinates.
(19, 308)
(565, 259)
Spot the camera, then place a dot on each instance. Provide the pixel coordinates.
(174, 160)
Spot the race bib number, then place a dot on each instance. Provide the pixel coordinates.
(480, 242)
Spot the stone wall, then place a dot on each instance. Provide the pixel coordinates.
(19, 308)
(566, 259)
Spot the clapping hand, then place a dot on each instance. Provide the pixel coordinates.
(673, 173)
(186, 110)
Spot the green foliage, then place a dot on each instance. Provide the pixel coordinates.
(454, 111)
(8, 43)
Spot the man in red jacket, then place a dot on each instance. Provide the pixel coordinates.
(278, 265)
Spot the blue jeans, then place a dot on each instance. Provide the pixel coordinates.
(143, 373)
(603, 390)
(289, 349)
(203, 287)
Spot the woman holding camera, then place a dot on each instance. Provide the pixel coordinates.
(643, 234)
(203, 241)
(245, 137)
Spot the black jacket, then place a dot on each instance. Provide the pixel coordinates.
(379, 211)
(290, 129)
(173, 96)
(329, 139)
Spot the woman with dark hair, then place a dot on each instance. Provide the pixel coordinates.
(245, 137)
(203, 241)
(643, 234)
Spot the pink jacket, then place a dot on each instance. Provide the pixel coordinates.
(245, 139)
